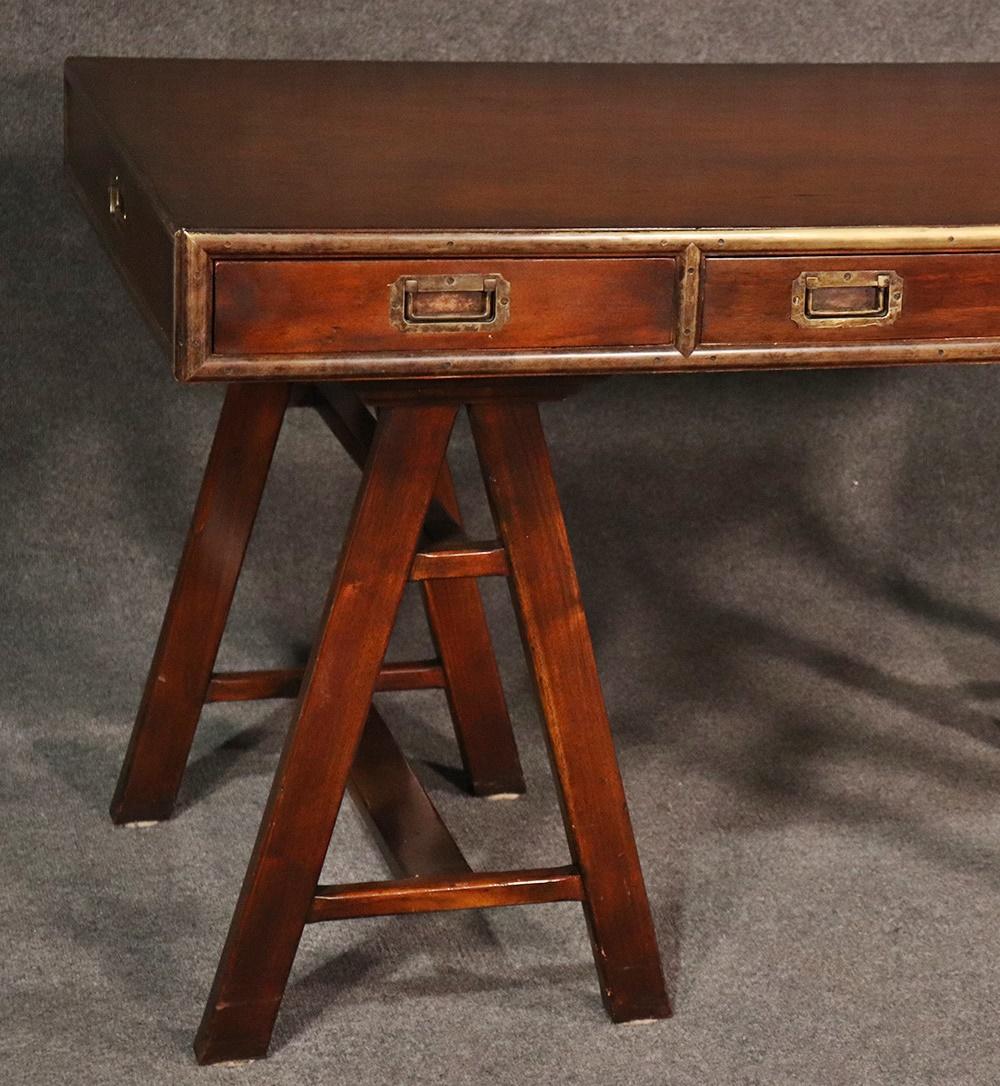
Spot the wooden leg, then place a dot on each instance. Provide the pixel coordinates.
(411, 835)
(472, 680)
(199, 603)
(523, 496)
(281, 881)
(456, 619)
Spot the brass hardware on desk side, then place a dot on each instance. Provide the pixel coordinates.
(690, 277)
(856, 299)
(116, 204)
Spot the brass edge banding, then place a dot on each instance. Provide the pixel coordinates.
(840, 239)
(179, 330)
(388, 366)
(192, 308)
(690, 269)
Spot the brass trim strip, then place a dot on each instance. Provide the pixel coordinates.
(690, 275)
(192, 305)
(804, 239)
(437, 365)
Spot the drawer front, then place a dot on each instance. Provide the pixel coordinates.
(876, 297)
(326, 307)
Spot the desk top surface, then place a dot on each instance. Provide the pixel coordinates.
(331, 145)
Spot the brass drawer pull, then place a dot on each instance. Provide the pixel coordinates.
(852, 299)
(449, 303)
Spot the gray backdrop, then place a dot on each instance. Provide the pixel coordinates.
(795, 600)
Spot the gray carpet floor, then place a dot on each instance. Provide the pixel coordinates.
(794, 588)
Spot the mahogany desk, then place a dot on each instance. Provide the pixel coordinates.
(423, 237)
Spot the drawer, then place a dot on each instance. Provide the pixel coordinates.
(331, 306)
(875, 297)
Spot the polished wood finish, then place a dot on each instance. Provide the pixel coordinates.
(373, 146)
(181, 679)
(347, 418)
(254, 685)
(523, 497)
(285, 682)
(181, 671)
(454, 613)
(397, 506)
(475, 693)
(411, 675)
(421, 895)
(410, 833)
(464, 559)
(140, 245)
(329, 734)
(389, 796)
(301, 307)
(601, 170)
(277, 895)
(748, 299)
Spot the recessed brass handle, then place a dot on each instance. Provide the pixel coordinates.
(116, 203)
(854, 299)
(449, 303)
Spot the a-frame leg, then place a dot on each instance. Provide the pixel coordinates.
(180, 677)
(523, 497)
(199, 602)
(281, 881)
(456, 618)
